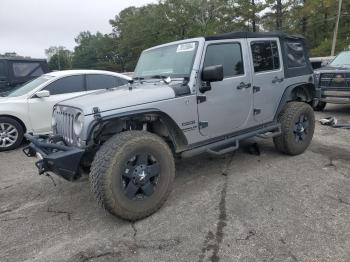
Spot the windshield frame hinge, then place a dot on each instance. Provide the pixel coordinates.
(203, 124)
(201, 99)
(97, 113)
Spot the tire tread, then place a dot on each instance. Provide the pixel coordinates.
(102, 165)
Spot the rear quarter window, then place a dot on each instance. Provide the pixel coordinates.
(95, 82)
(295, 54)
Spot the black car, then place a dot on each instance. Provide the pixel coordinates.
(14, 71)
(333, 81)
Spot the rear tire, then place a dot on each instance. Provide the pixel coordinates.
(11, 134)
(132, 174)
(297, 125)
(320, 106)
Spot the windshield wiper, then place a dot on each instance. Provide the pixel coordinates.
(166, 79)
(159, 76)
(4, 94)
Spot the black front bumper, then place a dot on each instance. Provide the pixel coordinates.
(54, 156)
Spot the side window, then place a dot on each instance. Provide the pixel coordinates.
(69, 84)
(23, 69)
(295, 55)
(229, 55)
(265, 56)
(3, 71)
(95, 82)
(121, 81)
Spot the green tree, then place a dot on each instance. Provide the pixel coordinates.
(59, 57)
(135, 29)
(139, 28)
(249, 14)
(96, 51)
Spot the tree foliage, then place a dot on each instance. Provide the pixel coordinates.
(60, 58)
(96, 51)
(137, 28)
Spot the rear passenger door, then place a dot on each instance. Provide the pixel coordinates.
(268, 77)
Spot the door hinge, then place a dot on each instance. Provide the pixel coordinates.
(257, 111)
(203, 124)
(201, 99)
(256, 89)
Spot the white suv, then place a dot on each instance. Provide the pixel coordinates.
(29, 108)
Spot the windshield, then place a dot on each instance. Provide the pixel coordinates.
(31, 85)
(175, 61)
(343, 59)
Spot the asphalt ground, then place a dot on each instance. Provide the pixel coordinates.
(239, 207)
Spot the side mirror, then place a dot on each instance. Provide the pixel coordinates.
(213, 73)
(42, 94)
(324, 63)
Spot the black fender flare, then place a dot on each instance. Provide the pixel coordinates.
(176, 134)
(289, 94)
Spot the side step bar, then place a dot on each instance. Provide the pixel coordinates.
(232, 143)
(271, 134)
(224, 150)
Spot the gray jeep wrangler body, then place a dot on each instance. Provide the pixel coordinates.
(187, 97)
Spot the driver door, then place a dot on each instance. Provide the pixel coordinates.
(40, 109)
(228, 104)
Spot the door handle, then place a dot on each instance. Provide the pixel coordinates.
(277, 80)
(243, 85)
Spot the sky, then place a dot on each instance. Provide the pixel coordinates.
(28, 27)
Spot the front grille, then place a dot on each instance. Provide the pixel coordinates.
(64, 124)
(335, 80)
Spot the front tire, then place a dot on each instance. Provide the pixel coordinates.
(11, 134)
(297, 125)
(132, 174)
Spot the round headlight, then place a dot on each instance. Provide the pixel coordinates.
(78, 123)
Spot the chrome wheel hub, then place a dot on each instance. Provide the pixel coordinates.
(8, 135)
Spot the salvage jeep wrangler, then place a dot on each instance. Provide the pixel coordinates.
(201, 95)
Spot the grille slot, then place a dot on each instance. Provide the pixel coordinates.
(335, 80)
(64, 126)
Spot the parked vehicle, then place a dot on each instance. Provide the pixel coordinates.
(29, 108)
(15, 71)
(201, 95)
(333, 81)
(318, 62)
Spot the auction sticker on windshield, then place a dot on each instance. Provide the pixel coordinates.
(186, 47)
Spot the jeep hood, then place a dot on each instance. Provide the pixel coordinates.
(121, 97)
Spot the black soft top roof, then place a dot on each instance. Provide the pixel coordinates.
(235, 35)
(18, 58)
(294, 52)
